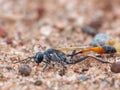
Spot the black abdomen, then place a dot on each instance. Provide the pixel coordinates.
(109, 49)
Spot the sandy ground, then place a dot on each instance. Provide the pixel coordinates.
(29, 26)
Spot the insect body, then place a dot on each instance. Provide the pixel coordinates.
(53, 55)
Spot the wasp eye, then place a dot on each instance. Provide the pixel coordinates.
(38, 57)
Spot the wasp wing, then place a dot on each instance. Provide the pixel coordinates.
(68, 49)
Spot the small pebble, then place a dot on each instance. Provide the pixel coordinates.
(25, 70)
(38, 83)
(3, 32)
(9, 40)
(116, 67)
(83, 77)
(89, 30)
(2, 78)
(62, 72)
(104, 83)
(40, 10)
(46, 30)
(100, 39)
(96, 23)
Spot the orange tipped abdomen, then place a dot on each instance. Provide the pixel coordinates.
(97, 49)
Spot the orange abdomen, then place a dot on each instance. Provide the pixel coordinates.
(97, 49)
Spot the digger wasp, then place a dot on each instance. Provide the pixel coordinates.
(60, 56)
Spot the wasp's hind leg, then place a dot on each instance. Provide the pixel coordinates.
(73, 54)
(46, 65)
(100, 60)
(62, 63)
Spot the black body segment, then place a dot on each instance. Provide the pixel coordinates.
(109, 49)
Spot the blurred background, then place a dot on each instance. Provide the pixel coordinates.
(55, 22)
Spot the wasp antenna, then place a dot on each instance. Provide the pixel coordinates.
(26, 59)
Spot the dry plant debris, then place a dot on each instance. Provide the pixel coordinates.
(29, 26)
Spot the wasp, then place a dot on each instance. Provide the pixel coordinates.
(56, 55)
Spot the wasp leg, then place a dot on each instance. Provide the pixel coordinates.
(79, 60)
(46, 65)
(84, 58)
(74, 62)
(72, 55)
(62, 63)
(99, 60)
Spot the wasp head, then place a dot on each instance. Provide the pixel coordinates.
(38, 58)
